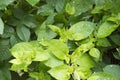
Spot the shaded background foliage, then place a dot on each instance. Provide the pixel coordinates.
(27, 20)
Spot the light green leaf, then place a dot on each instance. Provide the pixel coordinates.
(40, 76)
(23, 49)
(101, 76)
(4, 3)
(113, 70)
(23, 33)
(32, 2)
(81, 30)
(54, 28)
(24, 54)
(70, 9)
(58, 48)
(83, 64)
(84, 48)
(84, 61)
(94, 52)
(83, 74)
(61, 72)
(41, 55)
(1, 26)
(106, 29)
(53, 61)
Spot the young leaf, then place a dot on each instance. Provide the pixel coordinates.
(32, 2)
(24, 54)
(84, 61)
(81, 30)
(94, 52)
(1, 26)
(70, 9)
(58, 48)
(61, 72)
(53, 61)
(106, 29)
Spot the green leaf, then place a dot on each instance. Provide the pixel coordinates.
(40, 76)
(23, 33)
(43, 32)
(84, 47)
(32, 2)
(8, 31)
(41, 55)
(58, 48)
(101, 76)
(115, 38)
(103, 42)
(4, 53)
(94, 52)
(4, 3)
(82, 6)
(5, 73)
(83, 64)
(13, 40)
(30, 21)
(1, 26)
(106, 29)
(84, 61)
(24, 53)
(70, 9)
(53, 61)
(45, 10)
(61, 72)
(113, 70)
(59, 5)
(54, 28)
(82, 74)
(81, 30)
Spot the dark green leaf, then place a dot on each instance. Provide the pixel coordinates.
(112, 70)
(5, 73)
(4, 3)
(43, 32)
(104, 42)
(23, 33)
